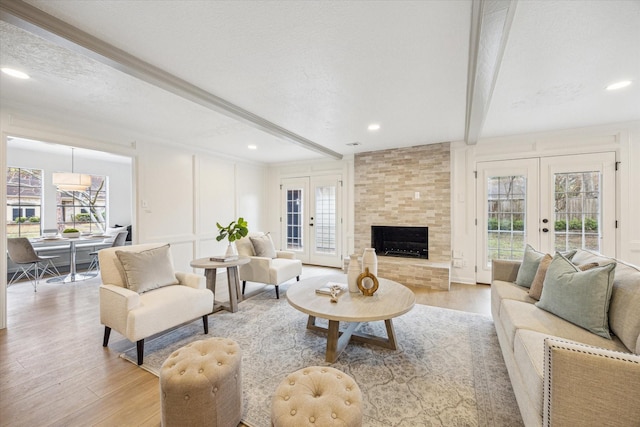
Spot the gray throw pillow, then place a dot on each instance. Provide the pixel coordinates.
(147, 270)
(529, 266)
(580, 297)
(263, 246)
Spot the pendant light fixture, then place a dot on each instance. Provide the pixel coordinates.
(70, 181)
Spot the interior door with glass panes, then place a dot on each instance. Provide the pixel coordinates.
(311, 219)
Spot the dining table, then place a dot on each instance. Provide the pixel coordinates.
(48, 243)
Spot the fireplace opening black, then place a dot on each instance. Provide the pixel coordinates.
(410, 242)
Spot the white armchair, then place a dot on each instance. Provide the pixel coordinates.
(141, 295)
(267, 264)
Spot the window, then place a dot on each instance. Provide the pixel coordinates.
(24, 202)
(85, 211)
(294, 219)
(506, 217)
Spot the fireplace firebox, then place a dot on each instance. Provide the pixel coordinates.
(410, 242)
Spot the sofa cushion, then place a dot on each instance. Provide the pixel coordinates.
(147, 270)
(529, 266)
(528, 351)
(581, 297)
(263, 246)
(516, 315)
(506, 290)
(624, 316)
(538, 280)
(536, 286)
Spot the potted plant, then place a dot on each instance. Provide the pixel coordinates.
(234, 231)
(71, 233)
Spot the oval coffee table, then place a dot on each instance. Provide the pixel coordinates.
(390, 300)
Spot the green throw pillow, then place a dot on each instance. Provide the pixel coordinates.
(529, 266)
(580, 297)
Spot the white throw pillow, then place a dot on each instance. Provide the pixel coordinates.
(263, 246)
(147, 270)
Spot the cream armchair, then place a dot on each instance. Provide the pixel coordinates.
(267, 264)
(141, 295)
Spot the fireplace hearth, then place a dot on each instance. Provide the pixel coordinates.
(400, 241)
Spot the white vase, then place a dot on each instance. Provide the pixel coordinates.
(353, 271)
(231, 251)
(370, 260)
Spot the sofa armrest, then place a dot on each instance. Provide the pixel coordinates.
(585, 385)
(285, 254)
(505, 270)
(191, 280)
(115, 304)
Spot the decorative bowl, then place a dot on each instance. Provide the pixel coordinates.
(71, 235)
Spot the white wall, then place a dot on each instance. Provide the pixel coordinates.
(119, 173)
(623, 138)
(177, 193)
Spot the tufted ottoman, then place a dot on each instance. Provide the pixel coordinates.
(200, 384)
(319, 396)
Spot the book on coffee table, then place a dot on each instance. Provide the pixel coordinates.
(223, 258)
(326, 289)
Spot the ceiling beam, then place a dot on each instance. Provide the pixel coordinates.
(34, 20)
(490, 24)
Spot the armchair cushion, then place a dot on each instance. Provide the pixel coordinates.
(263, 246)
(147, 270)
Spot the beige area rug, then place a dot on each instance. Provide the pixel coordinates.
(447, 371)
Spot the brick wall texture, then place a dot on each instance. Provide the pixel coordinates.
(385, 184)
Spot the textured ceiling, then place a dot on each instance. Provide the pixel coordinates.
(325, 70)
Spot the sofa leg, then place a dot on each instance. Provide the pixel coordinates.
(244, 285)
(205, 323)
(107, 333)
(297, 278)
(140, 348)
(277, 292)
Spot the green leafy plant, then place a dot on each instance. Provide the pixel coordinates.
(234, 231)
(70, 230)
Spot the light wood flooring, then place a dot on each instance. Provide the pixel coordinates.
(55, 372)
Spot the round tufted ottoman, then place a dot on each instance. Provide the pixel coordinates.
(319, 396)
(200, 384)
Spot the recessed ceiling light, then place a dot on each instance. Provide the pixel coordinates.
(374, 126)
(252, 147)
(15, 73)
(619, 85)
(353, 144)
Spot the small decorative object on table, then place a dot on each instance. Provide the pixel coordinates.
(234, 231)
(71, 233)
(353, 271)
(367, 291)
(334, 290)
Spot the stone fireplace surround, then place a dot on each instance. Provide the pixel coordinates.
(406, 187)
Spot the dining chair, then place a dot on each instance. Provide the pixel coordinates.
(119, 240)
(31, 265)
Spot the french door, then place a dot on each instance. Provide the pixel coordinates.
(552, 203)
(311, 219)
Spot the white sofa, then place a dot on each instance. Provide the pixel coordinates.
(267, 264)
(138, 313)
(562, 374)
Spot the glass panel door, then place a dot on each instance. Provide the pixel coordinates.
(578, 203)
(506, 213)
(325, 217)
(311, 219)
